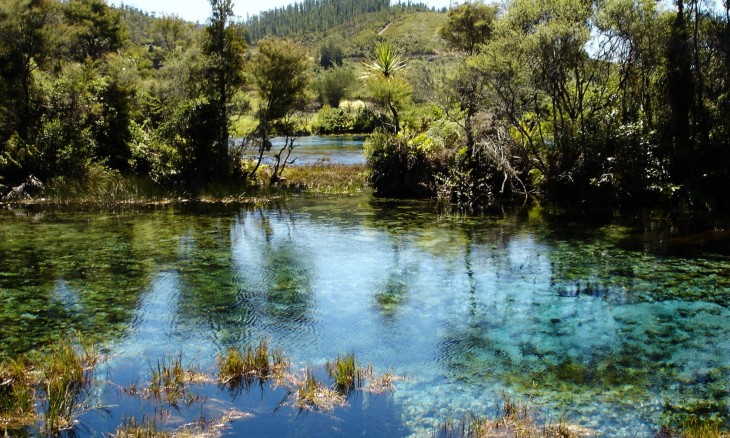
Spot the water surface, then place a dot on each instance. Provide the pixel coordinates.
(611, 326)
(347, 150)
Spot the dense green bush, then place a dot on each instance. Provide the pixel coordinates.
(350, 118)
(404, 165)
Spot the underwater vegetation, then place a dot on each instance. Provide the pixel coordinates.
(514, 419)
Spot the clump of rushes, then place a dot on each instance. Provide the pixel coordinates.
(17, 395)
(347, 374)
(170, 379)
(243, 367)
(67, 371)
(315, 396)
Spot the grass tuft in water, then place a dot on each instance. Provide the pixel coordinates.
(243, 367)
(515, 419)
(170, 381)
(315, 396)
(131, 428)
(151, 428)
(347, 374)
(17, 395)
(67, 373)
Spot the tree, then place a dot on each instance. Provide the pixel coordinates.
(331, 54)
(280, 74)
(25, 39)
(387, 88)
(224, 48)
(96, 29)
(468, 25)
(334, 85)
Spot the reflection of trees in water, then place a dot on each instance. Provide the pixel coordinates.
(393, 291)
(246, 272)
(76, 272)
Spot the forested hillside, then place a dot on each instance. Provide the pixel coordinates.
(317, 16)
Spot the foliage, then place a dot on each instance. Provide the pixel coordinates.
(280, 74)
(387, 89)
(312, 16)
(403, 164)
(330, 54)
(349, 118)
(335, 85)
(224, 46)
(468, 25)
(604, 103)
(95, 28)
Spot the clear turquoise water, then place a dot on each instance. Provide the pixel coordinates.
(614, 327)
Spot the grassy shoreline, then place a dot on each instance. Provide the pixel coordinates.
(105, 189)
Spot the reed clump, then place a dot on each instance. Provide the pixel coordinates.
(347, 374)
(17, 395)
(170, 380)
(49, 387)
(67, 372)
(242, 367)
(315, 396)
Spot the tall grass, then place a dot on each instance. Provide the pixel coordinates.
(242, 367)
(327, 179)
(347, 374)
(170, 381)
(17, 394)
(695, 427)
(67, 372)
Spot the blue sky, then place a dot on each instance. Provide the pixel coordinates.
(198, 10)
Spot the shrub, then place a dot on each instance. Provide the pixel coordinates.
(403, 165)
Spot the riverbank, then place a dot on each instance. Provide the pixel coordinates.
(105, 189)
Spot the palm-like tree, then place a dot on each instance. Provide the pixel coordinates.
(387, 61)
(388, 90)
